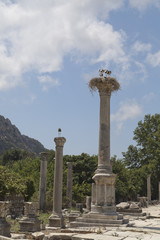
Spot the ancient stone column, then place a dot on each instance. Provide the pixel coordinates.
(69, 184)
(103, 210)
(149, 187)
(56, 219)
(104, 164)
(43, 181)
(103, 200)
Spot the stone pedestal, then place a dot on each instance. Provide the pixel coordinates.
(56, 219)
(30, 221)
(69, 184)
(43, 181)
(149, 187)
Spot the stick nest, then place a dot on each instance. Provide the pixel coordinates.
(107, 84)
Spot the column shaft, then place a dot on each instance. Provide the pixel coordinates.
(104, 132)
(43, 181)
(149, 187)
(58, 178)
(69, 184)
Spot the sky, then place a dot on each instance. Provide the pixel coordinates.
(49, 51)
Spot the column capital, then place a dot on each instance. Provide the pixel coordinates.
(44, 156)
(60, 141)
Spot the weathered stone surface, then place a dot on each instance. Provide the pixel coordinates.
(4, 227)
(38, 235)
(60, 236)
(134, 205)
(30, 221)
(88, 203)
(73, 215)
(143, 201)
(18, 236)
(122, 205)
(15, 206)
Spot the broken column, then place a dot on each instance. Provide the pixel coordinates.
(69, 184)
(43, 181)
(149, 187)
(88, 203)
(56, 219)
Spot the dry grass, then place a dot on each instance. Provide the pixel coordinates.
(107, 84)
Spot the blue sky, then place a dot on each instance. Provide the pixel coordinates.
(50, 49)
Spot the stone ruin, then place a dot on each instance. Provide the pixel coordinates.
(4, 225)
(30, 221)
(15, 205)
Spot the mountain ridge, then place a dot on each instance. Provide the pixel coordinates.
(11, 138)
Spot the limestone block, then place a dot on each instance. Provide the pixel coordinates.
(123, 205)
(38, 235)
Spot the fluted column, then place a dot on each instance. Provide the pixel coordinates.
(43, 181)
(56, 219)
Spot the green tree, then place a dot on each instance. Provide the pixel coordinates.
(146, 154)
(11, 183)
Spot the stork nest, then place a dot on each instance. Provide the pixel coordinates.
(108, 84)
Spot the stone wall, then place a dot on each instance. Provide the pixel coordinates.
(15, 206)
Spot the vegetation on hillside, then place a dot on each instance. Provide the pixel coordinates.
(20, 170)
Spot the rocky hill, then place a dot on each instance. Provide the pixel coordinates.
(10, 138)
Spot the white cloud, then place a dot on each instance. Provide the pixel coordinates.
(47, 82)
(149, 97)
(144, 4)
(141, 47)
(37, 35)
(128, 110)
(154, 59)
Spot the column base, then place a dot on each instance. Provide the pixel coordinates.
(56, 221)
(29, 224)
(106, 210)
(99, 220)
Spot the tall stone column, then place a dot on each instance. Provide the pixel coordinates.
(43, 181)
(104, 133)
(69, 184)
(104, 190)
(149, 187)
(56, 219)
(103, 210)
